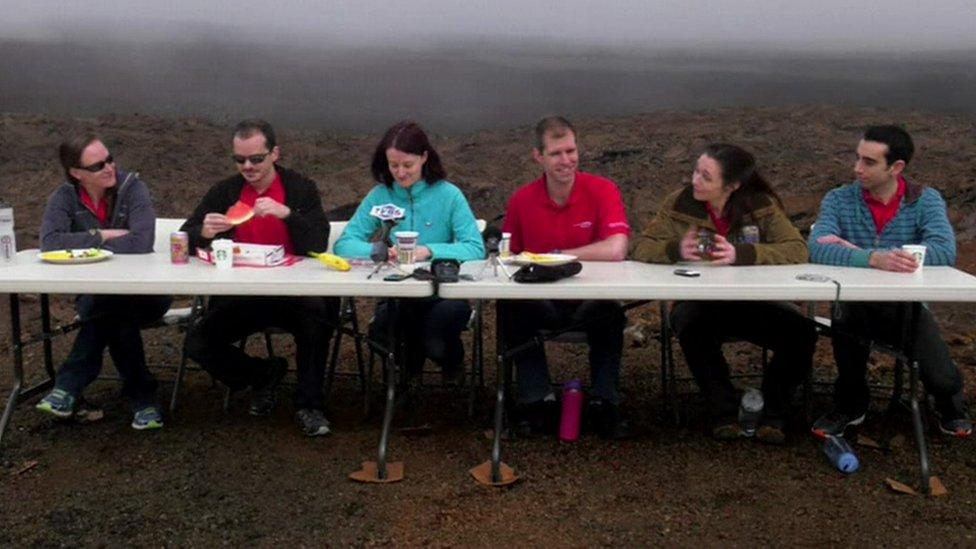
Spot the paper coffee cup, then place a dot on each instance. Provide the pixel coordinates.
(223, 253)
(918, 252)
(406, 244)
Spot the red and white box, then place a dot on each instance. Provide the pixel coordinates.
(251, 255)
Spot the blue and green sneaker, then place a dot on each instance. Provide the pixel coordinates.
(147, 417)
(58, 403)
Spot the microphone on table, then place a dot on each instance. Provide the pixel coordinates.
(389, 215)
(492, 237)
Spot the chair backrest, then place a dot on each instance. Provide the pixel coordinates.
(164, 227)
(335, 231)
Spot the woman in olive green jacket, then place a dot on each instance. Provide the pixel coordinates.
(729, 215)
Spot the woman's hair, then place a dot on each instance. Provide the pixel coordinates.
(410, 138)
(69, 152)
(739, 166)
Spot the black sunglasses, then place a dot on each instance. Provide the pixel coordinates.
(98, 166)
(254, 158)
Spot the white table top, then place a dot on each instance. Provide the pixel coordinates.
(632, 280)
(154, 274)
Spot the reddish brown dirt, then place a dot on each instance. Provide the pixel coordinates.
(215, 478)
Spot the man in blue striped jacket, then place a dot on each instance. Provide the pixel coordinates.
(864, 224)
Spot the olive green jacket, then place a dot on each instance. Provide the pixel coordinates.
(779, 241)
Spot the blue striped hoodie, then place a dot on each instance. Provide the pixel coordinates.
(921, 219)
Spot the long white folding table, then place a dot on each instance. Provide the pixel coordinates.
(155, 274)
(640, 281)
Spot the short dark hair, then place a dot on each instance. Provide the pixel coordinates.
(409, 137)
(69, 152)
(900, 145)
(247, 128)
(556, 126)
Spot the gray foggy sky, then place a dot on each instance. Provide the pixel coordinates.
(822, 24)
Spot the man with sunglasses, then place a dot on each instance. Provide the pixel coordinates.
(287, 212)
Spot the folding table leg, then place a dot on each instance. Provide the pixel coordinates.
(923, 456)
(381, 471)
(17, 355)
(46, 327)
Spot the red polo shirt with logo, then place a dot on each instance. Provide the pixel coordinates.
(595, 211)
(881, 212)
(266, 229)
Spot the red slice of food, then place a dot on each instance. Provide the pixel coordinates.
(239, 213)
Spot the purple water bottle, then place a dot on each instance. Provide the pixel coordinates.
(569, 423)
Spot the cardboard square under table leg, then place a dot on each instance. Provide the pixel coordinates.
(370, 473)
(482, 473)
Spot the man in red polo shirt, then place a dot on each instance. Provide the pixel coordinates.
(287, 212)
(571, 212)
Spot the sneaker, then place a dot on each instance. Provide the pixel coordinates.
(312, 422)
(58, 403)
(537, 418)
(834, 423)
(770, 431)
(265, 397)
(607, 420)
(953, 419)
(147, 417)
(728, 430)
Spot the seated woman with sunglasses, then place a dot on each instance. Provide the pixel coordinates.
(100, 207)
(410, 175)
(744, 223)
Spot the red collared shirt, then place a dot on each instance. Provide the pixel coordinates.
(881, 212)
(100, 210)
(594, 212)
(267, 229)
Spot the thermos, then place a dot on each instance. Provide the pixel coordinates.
(8, 241)
(569, 422)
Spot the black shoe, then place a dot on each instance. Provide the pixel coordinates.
(265, 396)
(537, 418)
(607, 420)
(953, 420)
(834, 423)
(727, 428)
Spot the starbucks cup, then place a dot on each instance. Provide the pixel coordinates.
(406, 245)
(918, 252)
(223, 253)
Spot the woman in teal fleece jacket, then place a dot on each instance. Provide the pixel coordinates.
(411, 176)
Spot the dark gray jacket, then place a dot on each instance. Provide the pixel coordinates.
(69, 224)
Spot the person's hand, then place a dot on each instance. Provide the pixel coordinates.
(269, 206)
(834, 239)
(898, 261)
(723, 252)
(421, 253)
(108, 234)
(689, 245)
(213, 224)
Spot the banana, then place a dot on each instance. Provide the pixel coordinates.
(331, 261)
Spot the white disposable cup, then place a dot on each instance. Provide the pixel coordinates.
(223, 253)
(406, 244)
(918, 252)
(505, 246)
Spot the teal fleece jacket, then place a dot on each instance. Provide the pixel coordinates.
(439, 212)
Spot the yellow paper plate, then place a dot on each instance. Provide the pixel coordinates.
(526, 258)
(71, 257)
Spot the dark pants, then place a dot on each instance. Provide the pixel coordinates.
(113, 321)
(524, 319)
(229, 319)
(884, 322)
(703, 326)
(431, 328)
